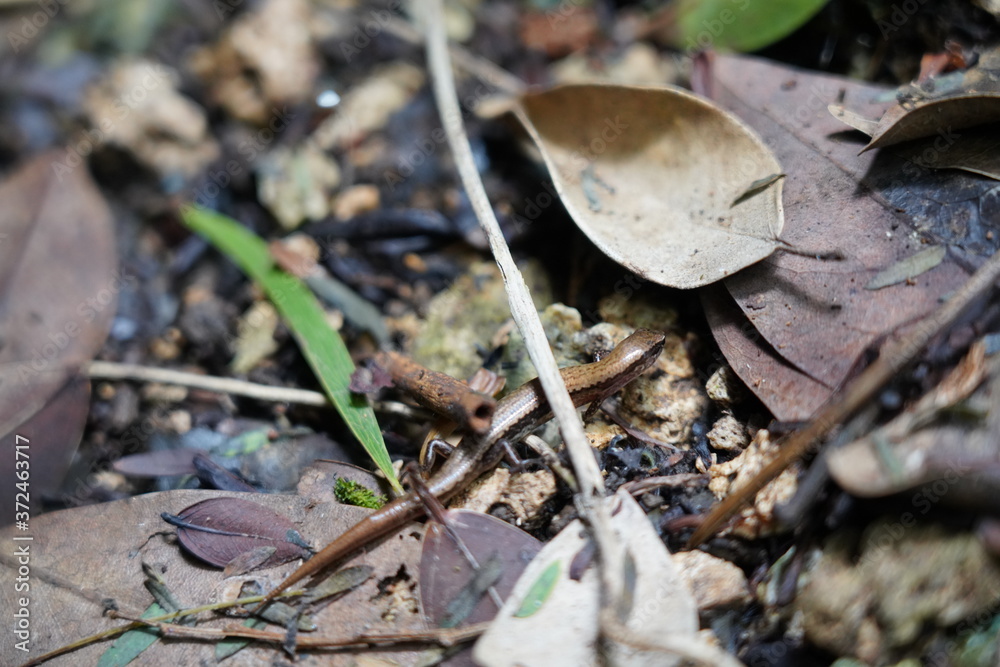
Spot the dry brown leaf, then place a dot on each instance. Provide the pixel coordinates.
(82, 558)
(975, 150)
(873, 208)
(952, 102)
(930, 116)
(53, 434)
(651, 176)
(58, 289)
(58, 282)
(785, 390)
(944, 123)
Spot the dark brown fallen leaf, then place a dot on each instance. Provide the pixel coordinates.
(444, 571)
(58, 288)
(815, 313)
(338, 583)
(59, 281)
(220, 530)
(784, 389)
(51, 435)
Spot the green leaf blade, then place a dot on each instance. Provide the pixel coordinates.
(130, 645)
(740, 25)
(322, 347)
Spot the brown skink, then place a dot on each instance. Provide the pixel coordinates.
(516, 415)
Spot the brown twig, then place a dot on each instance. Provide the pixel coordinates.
(138, 623)
(440, 636)
(440, 393)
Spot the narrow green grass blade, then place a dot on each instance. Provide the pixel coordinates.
(322, 346)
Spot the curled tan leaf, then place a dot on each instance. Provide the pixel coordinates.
(658, 178)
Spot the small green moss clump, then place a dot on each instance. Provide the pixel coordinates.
(352, 493)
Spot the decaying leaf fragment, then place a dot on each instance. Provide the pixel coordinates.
(657, 178)
(955, 101)
(947, 122)
(447, 580)
(223, 530)
(908, 268)
(947, 441)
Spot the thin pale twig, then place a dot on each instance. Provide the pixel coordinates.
(521, 305)
(590, 499)
(109, 370)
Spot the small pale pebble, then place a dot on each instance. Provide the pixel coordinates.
(356, 200)
(725, 387)
(715, 583)
(728, 434)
